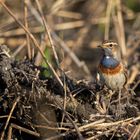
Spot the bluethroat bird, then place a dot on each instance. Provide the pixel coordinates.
(111, 69)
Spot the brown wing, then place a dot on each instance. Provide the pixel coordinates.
(126, 76)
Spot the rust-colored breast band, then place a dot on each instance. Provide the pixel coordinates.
(111, 71)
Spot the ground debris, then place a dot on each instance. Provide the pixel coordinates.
(41, 108)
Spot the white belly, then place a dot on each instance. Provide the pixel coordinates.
(116, 81)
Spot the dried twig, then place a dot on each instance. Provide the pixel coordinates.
(75, 126)
(26, 25)
(119, 27)
(25, 130)
(48, 32)
(135, 133)
(9, 117)
(107, 23)
(69, 14)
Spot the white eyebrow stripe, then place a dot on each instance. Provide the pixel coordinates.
(113, 43)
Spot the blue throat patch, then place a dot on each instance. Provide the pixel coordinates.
(109, 62)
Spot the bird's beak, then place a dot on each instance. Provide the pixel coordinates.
(99, 46)
(101, 49)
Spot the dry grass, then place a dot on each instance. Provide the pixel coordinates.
(72, 30)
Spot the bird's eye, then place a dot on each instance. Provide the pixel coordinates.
(110, 46)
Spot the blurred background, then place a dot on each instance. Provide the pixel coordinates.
(76, 27)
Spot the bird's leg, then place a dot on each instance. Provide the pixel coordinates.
(111, 93)
(119, 106)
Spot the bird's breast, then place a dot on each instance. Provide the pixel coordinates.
(109, 62)
(112, 73)
(114, 81)
(110, 66)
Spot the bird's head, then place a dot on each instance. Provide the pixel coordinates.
(110, 48)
